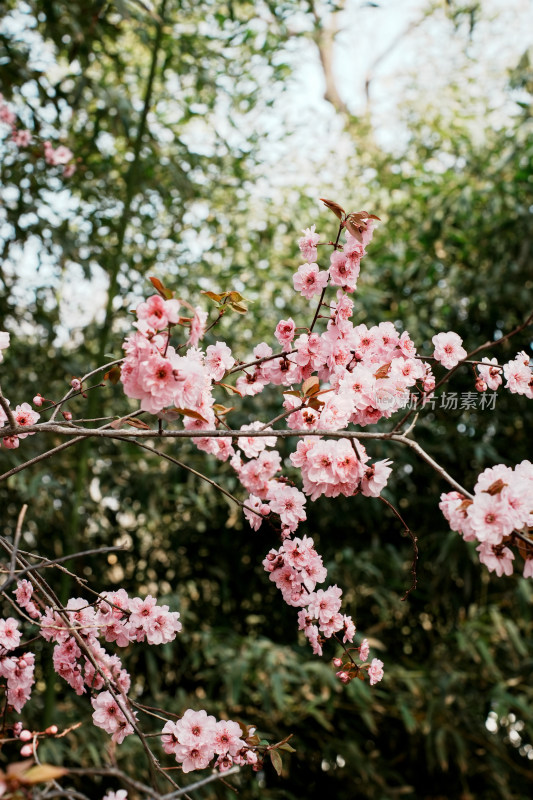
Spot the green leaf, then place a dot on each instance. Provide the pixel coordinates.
(277, 761)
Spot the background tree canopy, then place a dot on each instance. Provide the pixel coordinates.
(190, 168)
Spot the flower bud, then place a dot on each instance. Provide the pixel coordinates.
(26, 751)
(38, 400)
(51, 730)
(481, 386)
(343, 677)
(67, 415)
(76, 384)
(337, 662)
(25, 735)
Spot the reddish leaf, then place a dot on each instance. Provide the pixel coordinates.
(496, 487)
(382, 371)
(134, 423)
(354, 230)
(310, 386)
(113, 375)
(335, 207)
(174, 413)
(221, 410)
(230, 388)
(216, 297)
(165, 293)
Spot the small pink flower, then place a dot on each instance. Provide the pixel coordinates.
(310, 280)
(375, 671)
(22, 138)
(198, 325)
(218, 360)
(308, 243)
(10, 636)
(25, 415)
(364, 650)
(284, 332)
(448, 349)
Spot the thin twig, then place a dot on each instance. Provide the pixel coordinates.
(193, 786)
(16, 541)
(7, 411)
(50, 563)
(414, 540)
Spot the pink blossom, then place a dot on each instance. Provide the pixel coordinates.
(364, 650)
(309, 280)
(489, 518)
(23, 594)
(519, 376)
(22, 137)
(448, 349)
(10, 636)
(308, 242)
(251, 383)
(218, 360)
(6, 115)
(194, 756)
(323, 605)
(284, 332)
(196, 727)
(375, 671)
(344, 270)
(251, 446)
(348, 629)
(497, 559)
(375, 478)
(25, 415)
(254, 510)
(169, 737)
(313, 635)
(61, 155)
(109, 716)
(198, 325)
(490, 373)
(227, 737)
(288, 502)
(158, 313)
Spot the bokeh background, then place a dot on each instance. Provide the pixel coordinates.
(206, 132)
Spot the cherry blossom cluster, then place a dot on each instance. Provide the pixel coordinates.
(350, 670)
(17, 671)
(79, 657)
(22, 138)
(499, 514)
(24, 415)
(83, 662)
(197, 738)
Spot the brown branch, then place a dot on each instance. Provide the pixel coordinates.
(7, 411)
(407, 532)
